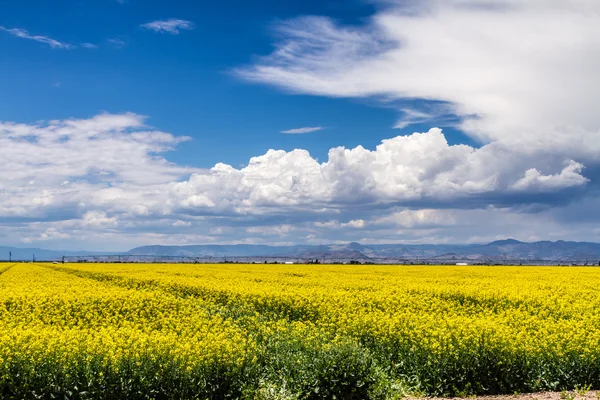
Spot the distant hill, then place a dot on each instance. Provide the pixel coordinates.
(495, 251)
(26, 254)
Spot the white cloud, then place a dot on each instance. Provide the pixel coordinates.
(433, 113)
(108, 160)
(95, 219)
(456, 226)
(421, 167)
(117, 42)
(355, 223)
(516, 72)
(172, 26)
(180, 223)
(22, 33)
(103, 180)
(569, 176)
(298, 131)
(328, 224)
(522, 77)
(197, 201)
(424, 218)
(48, 234)
(412, 117)
(276, 230)
(89, 46)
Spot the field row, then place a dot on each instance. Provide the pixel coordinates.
(279, 331)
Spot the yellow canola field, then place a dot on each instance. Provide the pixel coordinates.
(295, 331)
(68, 334)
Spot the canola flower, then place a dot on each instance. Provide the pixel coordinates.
(295, 331)
(70, 336)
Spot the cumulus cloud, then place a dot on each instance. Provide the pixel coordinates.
(276, 230)
(569, 176)
(355, 223)
(307, 129)
(95, 219)
(423, 218)
(104, 175)
(48, 234)
(61, 168)
(182, 223)
(408, 170)
(519, 78)
(172, 26)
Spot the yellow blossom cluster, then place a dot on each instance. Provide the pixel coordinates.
(242, 329)
(60, 332)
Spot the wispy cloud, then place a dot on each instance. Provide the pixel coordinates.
(22, 33)
(299, 131)
(431, 112)
(117, 42)
(89, 46)
(411, 117)
(172, 26)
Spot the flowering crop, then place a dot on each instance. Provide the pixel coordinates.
(295, 331)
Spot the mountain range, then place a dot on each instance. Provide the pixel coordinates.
(509, 249)
(31, 253)
(497, 251)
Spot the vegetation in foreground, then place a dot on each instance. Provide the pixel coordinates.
(295, 331)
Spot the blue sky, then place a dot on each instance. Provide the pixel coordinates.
(183, 82)
(131, 122)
